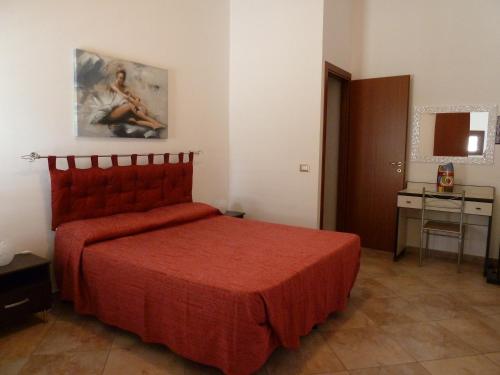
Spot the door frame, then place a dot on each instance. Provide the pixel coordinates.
(331, 70)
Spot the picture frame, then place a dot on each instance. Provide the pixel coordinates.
(119, 98)
(497, 132)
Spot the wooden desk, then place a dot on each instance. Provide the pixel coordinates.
(478, 203)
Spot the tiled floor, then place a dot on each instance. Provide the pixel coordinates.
(402, 319)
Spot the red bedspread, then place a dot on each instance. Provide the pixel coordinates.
(218, 290)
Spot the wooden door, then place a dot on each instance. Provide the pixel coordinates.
(376, 151)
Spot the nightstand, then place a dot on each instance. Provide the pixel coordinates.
(237, 214)
(25, 286)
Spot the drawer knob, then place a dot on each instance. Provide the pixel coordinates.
(478, 208)
(408, 202)
(15, 304)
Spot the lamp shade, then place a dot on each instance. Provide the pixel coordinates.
(6, 253)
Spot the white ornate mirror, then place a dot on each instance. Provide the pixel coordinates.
(458, 134)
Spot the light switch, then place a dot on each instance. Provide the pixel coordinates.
(304, 168)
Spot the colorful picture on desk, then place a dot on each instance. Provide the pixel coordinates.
(118, 98)
(497, 135)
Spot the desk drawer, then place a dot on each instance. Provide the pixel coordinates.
(434, 204)
(409, 201)
(478, 208)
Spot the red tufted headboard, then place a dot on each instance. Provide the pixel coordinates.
(95, 192)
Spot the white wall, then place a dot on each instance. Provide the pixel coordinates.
(275, 105)
(272, 54)
(340, 30)
(190, 38)
(452, 50)
(276, 102)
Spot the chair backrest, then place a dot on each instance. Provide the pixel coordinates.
(448, 202)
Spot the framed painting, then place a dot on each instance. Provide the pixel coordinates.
(497, 133)
(117, 98)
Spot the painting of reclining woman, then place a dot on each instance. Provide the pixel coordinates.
(117, 98)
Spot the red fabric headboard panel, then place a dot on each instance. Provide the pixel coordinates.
(95, 192)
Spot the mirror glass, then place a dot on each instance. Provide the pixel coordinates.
(461, 134)
(458, 134)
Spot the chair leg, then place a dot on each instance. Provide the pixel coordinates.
(420, 249)
(427, 250)
(463, 244)
(460, 253)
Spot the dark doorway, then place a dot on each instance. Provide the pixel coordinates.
(335, 121)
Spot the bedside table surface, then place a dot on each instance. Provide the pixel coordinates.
(237, 214)
(22, 262)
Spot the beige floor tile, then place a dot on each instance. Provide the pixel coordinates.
(469, 314)
(84, 363)
(13, 366)
(456, 282)
(313, 357)
(367, 252)
(476, 333)
(437, 267)
(375, 267)
(67, 336)
(146, 359)
(472, 365)
(366, 347)
(19, 340)
(467, 267)
(131, 342)
(471, 267)
(486, 300)
(493, 321)
(408, 264)
(434, 267)
(192, 368)
(391, 311)
(369, 288)
(406, 285)
(441, 306)
(64, 311)
(428, 341)
(352, 317)
(494, 357)
(405, 369)
(125, 340)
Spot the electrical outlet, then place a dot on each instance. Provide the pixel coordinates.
(304, 167)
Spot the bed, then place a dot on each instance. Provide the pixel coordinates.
(132, 249)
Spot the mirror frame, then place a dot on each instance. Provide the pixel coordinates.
(489, 148)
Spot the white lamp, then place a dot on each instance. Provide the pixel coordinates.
(6, 253)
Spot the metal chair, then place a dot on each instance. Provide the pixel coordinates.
(452, 203)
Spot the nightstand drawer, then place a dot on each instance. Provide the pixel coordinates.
(26, 299)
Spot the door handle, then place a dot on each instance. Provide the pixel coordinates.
(397, 163)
